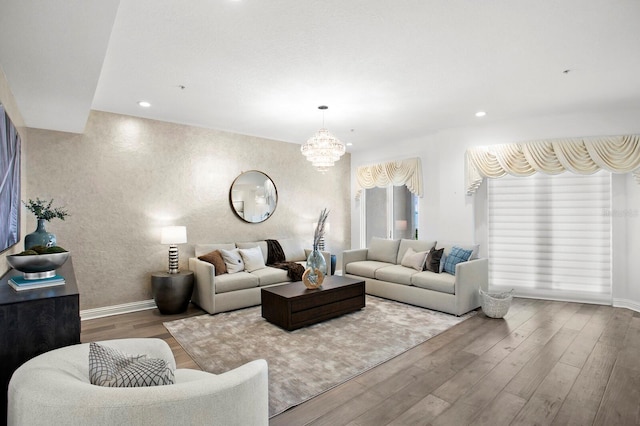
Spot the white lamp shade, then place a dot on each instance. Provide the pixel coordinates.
(174, 235)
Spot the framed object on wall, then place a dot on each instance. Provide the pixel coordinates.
(253, 196)
(9, 182)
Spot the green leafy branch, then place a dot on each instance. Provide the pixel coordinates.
(42, 209)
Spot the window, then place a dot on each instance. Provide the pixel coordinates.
(390, 212)
(550, 236)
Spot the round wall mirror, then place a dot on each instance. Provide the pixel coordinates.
(253, 196)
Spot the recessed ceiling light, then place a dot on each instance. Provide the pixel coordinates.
(144, 104)
(480, 114)
(349, 144)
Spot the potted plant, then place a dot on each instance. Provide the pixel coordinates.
(44, 213)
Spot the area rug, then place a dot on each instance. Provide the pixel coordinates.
(307, 362)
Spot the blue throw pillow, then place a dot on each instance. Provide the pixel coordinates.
(456, 256)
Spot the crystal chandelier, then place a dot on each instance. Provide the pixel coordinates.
(323, 149)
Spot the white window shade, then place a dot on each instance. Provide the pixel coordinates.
(550, 236)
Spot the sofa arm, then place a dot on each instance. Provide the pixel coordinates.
(470, 276)
(204, 290)
(355, 255)
(235, 397)
(325, 254)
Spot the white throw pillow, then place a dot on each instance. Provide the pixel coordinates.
(252, 258)
(233, 260)
(414, 260)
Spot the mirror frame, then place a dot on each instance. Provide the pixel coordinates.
(236, 209)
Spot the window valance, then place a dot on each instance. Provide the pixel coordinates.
(617, 154)
(404, 172)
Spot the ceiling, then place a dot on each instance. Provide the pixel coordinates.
(388, 70)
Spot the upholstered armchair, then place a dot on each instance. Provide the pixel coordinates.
(54, 388)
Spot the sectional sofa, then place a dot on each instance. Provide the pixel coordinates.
(229, 291)
(380, 265)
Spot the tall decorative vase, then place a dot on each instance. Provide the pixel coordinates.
(316, 269)
(40, 237)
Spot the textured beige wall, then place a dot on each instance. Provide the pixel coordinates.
(126, 177)
(7, 99)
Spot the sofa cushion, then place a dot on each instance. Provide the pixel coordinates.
(383, 250)
(113, 368)
(397, 274)
(447, 246)
(208, 248)
(443, 283)
(433, 260)
(457, 255)
(215, 258)
(252, 258)
(293, 251)
(261, 244)
(238, 281)
(233, 260)
(269, 275)
(416, 245)
(365, 268)
(414, 260)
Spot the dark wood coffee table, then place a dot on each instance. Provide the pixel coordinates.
(292, 306)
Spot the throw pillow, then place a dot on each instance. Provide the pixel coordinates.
(456, 256)
(112, 368)
(232, 260)
(414, 260)
(215, 258)
(252, 258)
(433, 260)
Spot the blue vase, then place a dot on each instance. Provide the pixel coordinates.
(40, 237)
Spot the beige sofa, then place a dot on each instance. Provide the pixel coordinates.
(380, 267)
(227, 292)
(55, 389)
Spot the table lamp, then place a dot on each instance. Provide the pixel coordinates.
(173, 235)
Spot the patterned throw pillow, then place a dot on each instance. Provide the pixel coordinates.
(112, 368)
(215, 258)
(456, 256)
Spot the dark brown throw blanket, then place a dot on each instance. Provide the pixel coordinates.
(276, 259)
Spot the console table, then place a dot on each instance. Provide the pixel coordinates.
(35, 321)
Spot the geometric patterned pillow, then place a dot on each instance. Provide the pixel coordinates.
(112, 368)
(456, 256)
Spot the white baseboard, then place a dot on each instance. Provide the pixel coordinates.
(626, 303)
(125, 308)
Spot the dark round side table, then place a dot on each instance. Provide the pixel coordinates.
(172, 292)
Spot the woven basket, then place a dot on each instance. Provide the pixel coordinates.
(495, 305)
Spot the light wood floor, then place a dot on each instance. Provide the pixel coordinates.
(545, 363)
